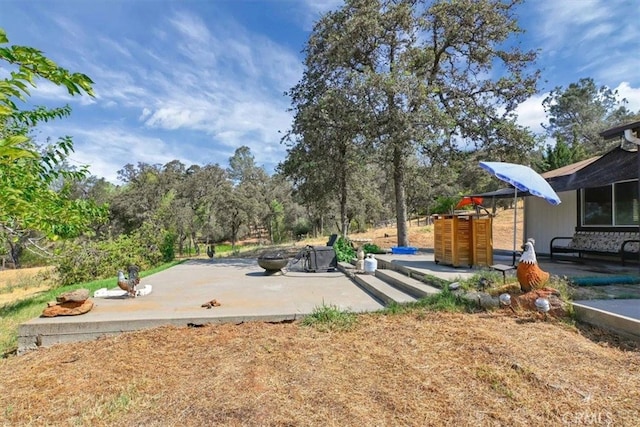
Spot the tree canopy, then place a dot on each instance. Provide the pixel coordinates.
(578, 113)
(416, 74)
(34, 179)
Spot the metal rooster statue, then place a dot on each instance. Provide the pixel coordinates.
(130, 283)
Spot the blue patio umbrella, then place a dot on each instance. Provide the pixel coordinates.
(525, 179)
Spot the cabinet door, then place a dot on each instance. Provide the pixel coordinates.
(482, 242)
(462, 242)
(438, 242)
(443, 229)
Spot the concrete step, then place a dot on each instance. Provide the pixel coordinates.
(382, 290)
(375, 286)
(407, 284)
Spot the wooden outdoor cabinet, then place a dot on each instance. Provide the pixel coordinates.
(482, 241)
(463, 240)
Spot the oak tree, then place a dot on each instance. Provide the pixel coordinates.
(422, 73)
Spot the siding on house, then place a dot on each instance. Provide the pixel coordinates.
(543, 221)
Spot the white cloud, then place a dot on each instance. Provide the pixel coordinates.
(193, 91)
(322, 6)
(560, 19)
(631, 94)
(234, 94)
(617, 68)
(190, 26)
(531, 113)
(598, 30)
(107, 149)
(312, 10)
(587, 38)
(176, 115)
(68, 28)
(118, 47)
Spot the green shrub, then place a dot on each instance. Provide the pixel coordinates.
(435, 281)
(444, 205)
(86, 261)
(447, 301)
(370, 248)
(302, 227)
(222, 248)
(344, 250)
(168, 247)
(492, 277)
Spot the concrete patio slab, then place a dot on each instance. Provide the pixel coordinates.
(246, 294)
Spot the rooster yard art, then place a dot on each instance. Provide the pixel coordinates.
(130, 283)
(532, 280)
(531, 285)
(530, 275)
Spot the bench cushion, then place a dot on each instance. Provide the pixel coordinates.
(604, 241)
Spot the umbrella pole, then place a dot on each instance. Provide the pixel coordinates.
(515, 224)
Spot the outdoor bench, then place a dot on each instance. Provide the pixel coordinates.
(624, 244)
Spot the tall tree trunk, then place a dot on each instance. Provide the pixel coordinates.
(195, 243)
(15, 251)
(233, 237)
(181, 243)
(401, 198)
(235, 227)
(344, 221)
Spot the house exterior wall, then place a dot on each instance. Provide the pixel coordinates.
(543, 221)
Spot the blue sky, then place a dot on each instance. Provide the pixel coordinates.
(194, 80)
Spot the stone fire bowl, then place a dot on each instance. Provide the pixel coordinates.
(273, 263)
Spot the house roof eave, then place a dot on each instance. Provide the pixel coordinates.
(618, 131)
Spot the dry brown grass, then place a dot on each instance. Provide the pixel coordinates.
(414, 369)
(22, 283)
